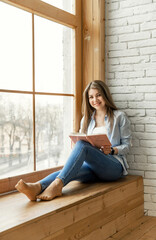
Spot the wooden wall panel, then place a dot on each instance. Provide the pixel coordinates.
(78, 71)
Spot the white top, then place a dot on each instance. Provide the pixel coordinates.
(99, 130)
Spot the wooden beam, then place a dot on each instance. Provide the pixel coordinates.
(78, 71)
(98, 40)
(93, 41)
(87, 42)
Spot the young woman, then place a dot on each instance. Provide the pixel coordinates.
(87, 163)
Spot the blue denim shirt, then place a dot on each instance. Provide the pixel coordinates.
(120, 136)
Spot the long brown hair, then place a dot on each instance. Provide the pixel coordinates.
(87, 109)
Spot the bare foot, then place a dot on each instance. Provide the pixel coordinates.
(52, 191)
(31, 190)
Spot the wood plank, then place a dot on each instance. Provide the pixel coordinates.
(130, 218)
(130, 227)
(151, 232)
(148, 238)
(78, 72)
(125, 190)
(126, 218)
(93, 41)
(115, 226)
(102, 40)
(97, 220)
(141, 230)
(87, 42)
(98, 39)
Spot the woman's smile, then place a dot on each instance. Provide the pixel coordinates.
(97, 104)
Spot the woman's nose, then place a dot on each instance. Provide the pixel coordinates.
(95, 99)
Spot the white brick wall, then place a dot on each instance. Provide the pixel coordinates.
(131, 76)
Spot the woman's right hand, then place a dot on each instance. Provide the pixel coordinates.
(106, 149)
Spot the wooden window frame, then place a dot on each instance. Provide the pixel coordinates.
(57, 15)
(93, 59)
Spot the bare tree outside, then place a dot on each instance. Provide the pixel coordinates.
(16, 132)
(16, 126)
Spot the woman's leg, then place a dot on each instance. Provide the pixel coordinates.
(105, 167)
(101, 166)
(85, 174)
(31, 190)
(54, 189)
(97, 166)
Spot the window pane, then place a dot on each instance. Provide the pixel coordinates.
(15, 48)
(16, 147)
(54, 54)
(54, 122)
(66, 5)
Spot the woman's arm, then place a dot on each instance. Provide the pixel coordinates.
(125, 136)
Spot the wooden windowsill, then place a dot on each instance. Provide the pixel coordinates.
(16, 210)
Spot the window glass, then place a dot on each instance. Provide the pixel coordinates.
(54, 57)
(16, 134)
(66, 5)
(53, 66)
(15, 48)
(54, 123)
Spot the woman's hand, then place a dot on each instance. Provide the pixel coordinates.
(105, 149)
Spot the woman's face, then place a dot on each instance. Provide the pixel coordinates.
(96, 100)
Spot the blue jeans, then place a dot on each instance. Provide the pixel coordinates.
(86, 164)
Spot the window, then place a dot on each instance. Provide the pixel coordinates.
(40, 85)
